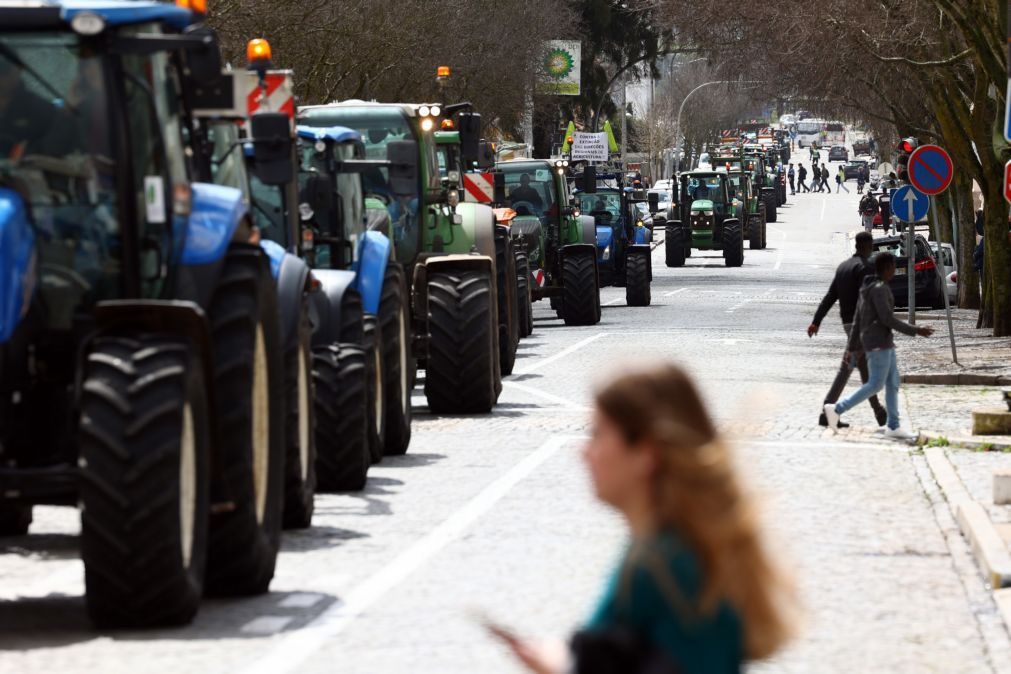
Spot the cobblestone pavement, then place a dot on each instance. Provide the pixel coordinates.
(494, 513)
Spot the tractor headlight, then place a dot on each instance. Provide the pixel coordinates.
(707, 213)
(453, 198)
(435, 110)
(427, 124)
(639, 223)
(606, 255)
(424, 111)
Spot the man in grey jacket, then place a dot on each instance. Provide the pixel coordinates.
(873, 324)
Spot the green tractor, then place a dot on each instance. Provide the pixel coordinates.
(742, 188)
(446, 246)
(755, 162)
(560, 243)
(705, 217)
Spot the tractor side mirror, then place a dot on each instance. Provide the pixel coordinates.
(204, 61)
(654, 202)
(403, 158)
(485, 155)
(589, 185)
(498, 180)
(316, 193)
(273, 158)
(469, 126)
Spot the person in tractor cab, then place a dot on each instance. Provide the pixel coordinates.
(526, 193)
(26, 119)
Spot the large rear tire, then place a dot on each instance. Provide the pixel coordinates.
(580, 294)
(674, 249)
(733, 243)
(300, 431)
(340, 373)
(637, 273)
(754, 232)
(770, 208)
(245, 532)
(461, 373)
(398, 365)
(145, 449)
(375, 387)
(523, 292)
(508, 309)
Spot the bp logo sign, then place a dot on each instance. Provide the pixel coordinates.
(560, 68)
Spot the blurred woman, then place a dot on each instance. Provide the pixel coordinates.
(696, 591)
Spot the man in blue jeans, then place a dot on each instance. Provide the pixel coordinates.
(872, 333)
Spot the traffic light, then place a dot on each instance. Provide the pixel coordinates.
(904, 149)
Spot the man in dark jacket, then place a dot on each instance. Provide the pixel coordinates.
(849, 277)
(872, 329)
(802, 177)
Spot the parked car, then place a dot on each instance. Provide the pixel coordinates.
(852, 168)
(946, 258)
(838, 153)
(926, 281)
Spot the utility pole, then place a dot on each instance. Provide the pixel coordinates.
(624, 117)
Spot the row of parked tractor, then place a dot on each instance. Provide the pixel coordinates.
(216, 304)
(727, 200)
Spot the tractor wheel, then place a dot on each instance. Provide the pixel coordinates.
(300, 439)
(508, 310)
(15, 519)
(754, 232)
(733, 244)
(637, 271)
(765, 231)
(249, 389)
(375, 386)
(398, 364)
(673, 248)
(523, 292)
(461, 377)
(145, 447)
(770, 208)
(580, 294)
(340, 373)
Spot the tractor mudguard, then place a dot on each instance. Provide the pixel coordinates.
(374, 255)
(579, 249)
(17, 260)
(166, 317)
(476, 231)
(215, 216)
(292, 282)
(768, 190)
(642, 235)
(639, 249)
(275, 253)
(325, 304)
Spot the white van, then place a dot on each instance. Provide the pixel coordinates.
(808, 132)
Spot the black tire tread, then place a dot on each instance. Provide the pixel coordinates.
(342, 456)
(580, 294)
(394, 302)
(637, 273)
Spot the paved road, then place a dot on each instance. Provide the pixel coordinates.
(494, 514)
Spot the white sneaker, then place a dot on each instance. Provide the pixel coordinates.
(831, 416)
(901, 434)
(881, 430)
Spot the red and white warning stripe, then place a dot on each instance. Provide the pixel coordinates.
(279, 96)
(479, 187)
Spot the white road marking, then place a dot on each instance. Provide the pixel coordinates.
(674, 292)
(541, 394)
(291, 650)
(301, 600)
(266, 624)
(779, 260)
(561, 354)
(738, 306)
(614, 301)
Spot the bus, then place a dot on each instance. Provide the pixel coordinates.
(809, 131)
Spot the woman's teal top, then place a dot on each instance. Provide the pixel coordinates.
(654, 593)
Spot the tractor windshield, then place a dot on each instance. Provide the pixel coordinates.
(705, 188)
(603, 206)
(530, 189)
(55, 152)
(344, 218)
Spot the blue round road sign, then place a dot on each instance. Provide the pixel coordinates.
(909, 205)
(930, 169)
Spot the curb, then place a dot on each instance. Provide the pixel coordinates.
(965, 441)
(956, 379)
(988, 547)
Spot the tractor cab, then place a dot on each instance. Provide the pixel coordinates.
(706, 196)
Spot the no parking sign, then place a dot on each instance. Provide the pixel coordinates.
(930, 169)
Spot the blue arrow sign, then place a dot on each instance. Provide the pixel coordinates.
(910, 205)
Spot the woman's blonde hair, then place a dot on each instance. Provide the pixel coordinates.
(699, 496)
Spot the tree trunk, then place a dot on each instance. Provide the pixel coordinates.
(968, 278)
(997, 253)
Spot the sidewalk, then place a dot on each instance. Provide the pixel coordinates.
(982, 357)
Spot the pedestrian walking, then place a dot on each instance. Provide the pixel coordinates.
(871, 334)
(791, 176)
(861, 179)
(840, 180)
(824, 180)
(802, 177)
(696, 591)
(867, 209)
(845, 289)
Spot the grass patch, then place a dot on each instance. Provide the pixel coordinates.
(939, 441)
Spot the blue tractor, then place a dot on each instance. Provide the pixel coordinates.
(141, 371)
(363, 298)
(623, 239)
